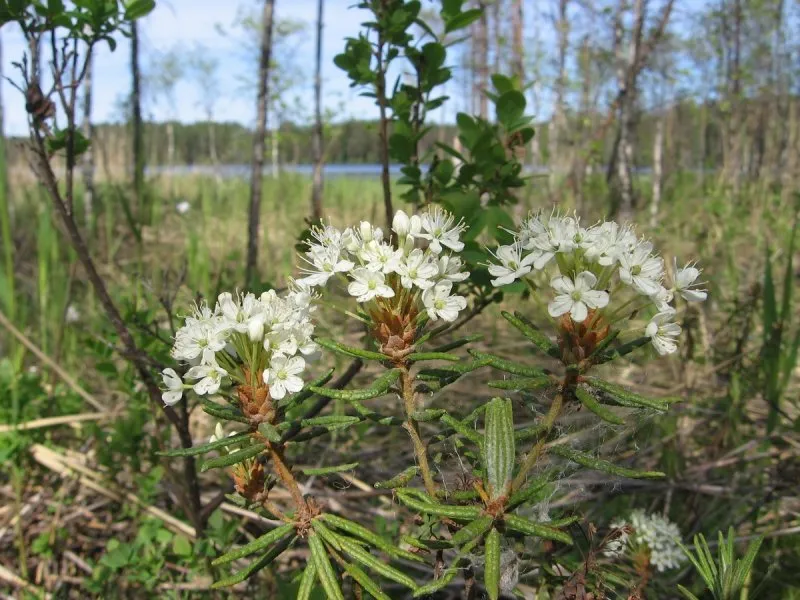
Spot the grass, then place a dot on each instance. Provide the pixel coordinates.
(181, 257)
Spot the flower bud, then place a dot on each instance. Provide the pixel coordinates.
(365, 229)
(401, 224)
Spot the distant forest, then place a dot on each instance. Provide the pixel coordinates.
(692, 140)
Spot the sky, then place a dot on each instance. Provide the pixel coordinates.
(184, 23)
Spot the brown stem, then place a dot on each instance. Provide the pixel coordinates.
(412, 427)
(284, 473)
(44, 172)
(538, 449)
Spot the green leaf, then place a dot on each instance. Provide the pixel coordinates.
(400, 480)
(527, 527)
(331, 420)
(269, 431)
(226, 460)
(472, 530)
(625, 397)
(475, 337)
(380, 567)
(528, 493)
(498, 449)
(350, 350)
(224, 413)
(510, 107)
(491, 577)
(462, 20)
(261, 543)
(429, 414)
(136, 9)
(181, 545)
(590, 402)
(418, 356)
(622, 350)
(449, 574)
(509, 366)
(378, 388)
(461, 513)
(365, 581)
(365, 534)
(530, 331)
(307, 582)
(524, 383)
(325, 572)
(328, 470)
(306, 393)
(204, 448)
(598, 464)
(257, 565)
(689, 595)
(463, 428)
(502, 83)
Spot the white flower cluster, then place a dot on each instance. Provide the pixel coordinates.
(604, 268)
(423, 261)
(654, 532)
(262, 333)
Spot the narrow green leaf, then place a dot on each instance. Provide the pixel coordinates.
(600, 349)
(372, 415)
(509, 366)
(449, 573)
(307, 582)
(226, 460)
(257, 544)
(598, 464)
(491, 574)
(498, 449)
(305, 393)
(527, 527)
(225, 413)
(475, 337)
(350, 350)
(365, 581)
(623, 350)
(689, 595)
(625, 397)
(400, 480)
(530, 331)
(365, 534)
(463, 429)
(590, 402)
(269, 431)
(373, 563)
(521, 383)
(527, 433)
(325, 572)
(257, 565)
(419, 356)
(329, 470)
(204, 448)
(528, 493)
(462, 513)
(339, 420)
(429, 414)
(378, 388)
(471, 530)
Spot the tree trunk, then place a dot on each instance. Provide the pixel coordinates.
(88, 156)
(658, 170)
(141, 199)
(274, 140)
(316, 141)
(558, 134)
(518, 28)
(259, 142)
(481, 45)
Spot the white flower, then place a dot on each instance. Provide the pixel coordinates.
(440, 229)
(640, 269)
(417, 270)
(450, 268)
(512, 264)
(244, 314)
(403, 225)
(576, 297)
(615, 547)
(324, 263)
(199, 340)
(72, 315)
(367, 285)
(440, 304)
(545, 240)
(662, 298)
(283, 376)
(684, 280)
(381, 257)
(660, 536)
(174, 385)
(182, 207)
(209, 375)
(662, 332)
(218, 434)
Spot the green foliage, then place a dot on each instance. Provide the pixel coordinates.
(726, 577)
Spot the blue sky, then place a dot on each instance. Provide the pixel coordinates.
(182, 24)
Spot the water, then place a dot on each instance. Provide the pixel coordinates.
(330, 170)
